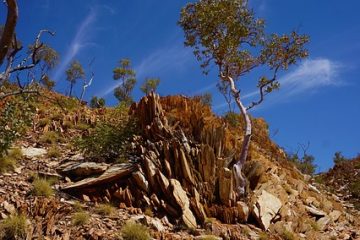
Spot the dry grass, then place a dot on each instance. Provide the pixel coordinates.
(80, 218)
(134, 231)
(53, 152)
(13, 227)
(42, 187)
(105, 209)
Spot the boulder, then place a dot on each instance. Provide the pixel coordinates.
(226, 186)
(32, 152)
(266, 208)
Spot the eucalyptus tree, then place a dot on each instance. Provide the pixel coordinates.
(227, 34)
(150, 84)
(127, 76)
(74, 73)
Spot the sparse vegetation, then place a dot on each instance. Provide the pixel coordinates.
(354, 188)
(305, 164)
(339, 158)
(50, 138)
(105, 209)
(53, 152)
(263, 236)
(149, 212)
(287, 235)
(13, 227)
(42, 187)
(15, 153)
(80, 218)
(110, 139)
(7, 164)
(134, 231)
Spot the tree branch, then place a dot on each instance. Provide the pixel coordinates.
(9, 29)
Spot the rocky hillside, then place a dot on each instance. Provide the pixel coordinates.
(174, 178)
(344, 180)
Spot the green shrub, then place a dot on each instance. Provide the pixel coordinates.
(15, 116)
(13, 227)
(105, 209)
(80, 218)
(305, 164)
(53, 152)
(110, 139)
(15, 153)
(339, 158)
(355, 189)
(68, 125)
(42, 187)
(134, 231)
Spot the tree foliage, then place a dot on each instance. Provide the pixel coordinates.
(226, 33)
(150, 85)
(73, 73)
(126, 75)
(96, 102)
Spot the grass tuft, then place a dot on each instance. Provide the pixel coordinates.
(80, 218)
(42, 187)
(13, 227)
(134, 231)
(105, 209)
(53, 152)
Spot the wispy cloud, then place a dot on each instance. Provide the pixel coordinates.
(79, 41)
(163, 60)
(309, 77)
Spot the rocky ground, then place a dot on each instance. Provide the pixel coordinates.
(176, 184)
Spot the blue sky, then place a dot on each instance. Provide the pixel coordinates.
(319, 98)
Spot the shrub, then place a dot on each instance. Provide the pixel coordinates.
(134, 231)
(82, 126)
(13, 227)
(105, 209)
(305, 164)
(15, 153)
(15, 117)
(80, 218)
(339, 158)
(53, 152)
(110, 139)
(355, 189)
(42, 187)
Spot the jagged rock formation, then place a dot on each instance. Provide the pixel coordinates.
(185, 177)
(182, 171)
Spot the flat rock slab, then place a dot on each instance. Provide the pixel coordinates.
(84, 169)
(315, 212)
(32, 152)
(115, 172)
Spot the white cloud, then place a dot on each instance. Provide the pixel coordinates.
(168, 59)
(78, 42)
(311, 76)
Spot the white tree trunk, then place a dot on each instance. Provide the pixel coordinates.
(240, 182)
